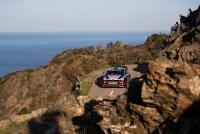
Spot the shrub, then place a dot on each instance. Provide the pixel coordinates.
(115, 63)
(69, 114)
(24, 110)
(116, 119)
(13, 127)
(70, 60)
(56, 61)
(77, 93)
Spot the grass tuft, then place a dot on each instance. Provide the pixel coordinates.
(14, 127)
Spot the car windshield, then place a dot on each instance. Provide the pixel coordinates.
(115, 72)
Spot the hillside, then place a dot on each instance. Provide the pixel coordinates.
(37, 88)
(162, 100)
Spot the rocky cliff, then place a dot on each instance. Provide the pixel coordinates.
(183, 45)
(167, 102)
(164, 100)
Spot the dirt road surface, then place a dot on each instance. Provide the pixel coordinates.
(97, 91)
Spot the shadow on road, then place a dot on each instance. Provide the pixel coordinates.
(134, 91)
(98, 81)
(141, 68)
(135, 85)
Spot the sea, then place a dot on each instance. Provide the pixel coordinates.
(29, 50)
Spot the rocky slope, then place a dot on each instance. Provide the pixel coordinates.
(26, 91)
(164, 100)
(183, 45)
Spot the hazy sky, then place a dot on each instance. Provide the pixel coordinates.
(91, 15)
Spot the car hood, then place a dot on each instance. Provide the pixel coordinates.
(113, 77)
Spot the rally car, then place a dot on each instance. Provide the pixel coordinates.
(116, 77)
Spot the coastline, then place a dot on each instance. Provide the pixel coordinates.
(25, 50)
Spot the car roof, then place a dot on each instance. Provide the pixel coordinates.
(117, 68)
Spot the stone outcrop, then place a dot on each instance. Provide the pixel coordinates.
(183, 45)
(189, 54)
(170, 89)
(168, 92)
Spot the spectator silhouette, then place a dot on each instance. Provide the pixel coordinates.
(189, 13)
(175, 27)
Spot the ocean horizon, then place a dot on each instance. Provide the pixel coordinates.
(29, 50)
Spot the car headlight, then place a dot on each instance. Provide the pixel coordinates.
(121, 77)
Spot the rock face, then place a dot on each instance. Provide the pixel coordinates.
(182, 49)
(170, 89)
(184, 44)
(190, 54)
(167, 96)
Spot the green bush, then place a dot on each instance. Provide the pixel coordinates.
(77, 93)
(69, 114)
(56, 61)
(24, 110)
(70, 60)
(116, 119)
(14, 127)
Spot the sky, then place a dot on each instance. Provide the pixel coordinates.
(91, 15)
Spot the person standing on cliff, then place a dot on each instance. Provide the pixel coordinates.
(189, 13)
(175, 27)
